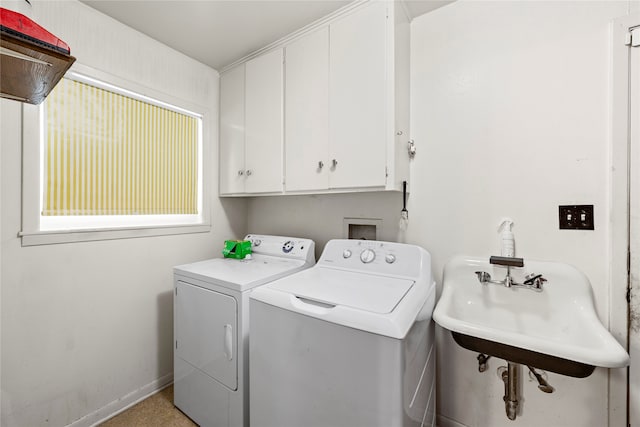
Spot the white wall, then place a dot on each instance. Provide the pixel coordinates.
(511, 103)
(321, 217)
(510, 114)
(87, 327)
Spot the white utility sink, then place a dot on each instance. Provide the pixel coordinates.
(556, 329)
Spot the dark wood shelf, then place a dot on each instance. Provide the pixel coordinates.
(28, 71)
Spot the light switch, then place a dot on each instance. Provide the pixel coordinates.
(576, 217)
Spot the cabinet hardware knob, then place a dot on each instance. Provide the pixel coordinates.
(249, 172)
(334, 162)
(412, 149)
(240, 172)
(320, 164)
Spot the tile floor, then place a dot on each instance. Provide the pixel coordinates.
(155, 411)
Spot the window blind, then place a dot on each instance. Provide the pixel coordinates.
(109, 154)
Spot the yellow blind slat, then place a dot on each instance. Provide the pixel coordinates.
(109, 154)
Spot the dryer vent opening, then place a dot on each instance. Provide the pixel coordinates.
(362, 231)
(362, 228)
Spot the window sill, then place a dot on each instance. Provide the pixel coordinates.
(89, 235)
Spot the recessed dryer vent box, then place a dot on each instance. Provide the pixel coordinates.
(362, 228)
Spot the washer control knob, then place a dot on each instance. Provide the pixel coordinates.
(390, 258)
(367, 256)
(346, 253)
(257, 242)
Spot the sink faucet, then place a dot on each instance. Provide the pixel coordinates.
(507, 262)
(532, 281)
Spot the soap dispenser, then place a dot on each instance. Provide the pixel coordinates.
(508, 244)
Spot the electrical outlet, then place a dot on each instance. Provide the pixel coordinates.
(576, 217)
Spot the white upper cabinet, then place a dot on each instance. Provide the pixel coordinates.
(358, 99)
(307, 112)
(344, 125)
(232, 145)
(251, 127)
(263, 123)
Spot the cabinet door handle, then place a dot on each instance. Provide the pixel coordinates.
(320, 164)
(249, 172)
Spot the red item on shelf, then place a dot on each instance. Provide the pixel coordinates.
(20, 26)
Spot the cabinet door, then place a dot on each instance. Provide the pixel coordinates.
(358, 90)
(307, 112)
(263, 125)
(206, 332)
(232, 131)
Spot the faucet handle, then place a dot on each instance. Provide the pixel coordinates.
(506, 261)
(530, 278)
(535, 281)
(483, 276)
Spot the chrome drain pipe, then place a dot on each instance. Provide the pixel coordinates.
(511, 379)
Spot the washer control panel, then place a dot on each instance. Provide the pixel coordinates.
(373, 256)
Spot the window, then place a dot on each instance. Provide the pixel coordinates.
(115, 159)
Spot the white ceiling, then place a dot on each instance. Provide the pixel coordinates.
(219, 32)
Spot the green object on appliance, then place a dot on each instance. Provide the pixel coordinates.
(238, 249)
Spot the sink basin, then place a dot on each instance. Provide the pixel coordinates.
(556, 330)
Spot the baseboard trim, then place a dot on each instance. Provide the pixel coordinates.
(114, 408)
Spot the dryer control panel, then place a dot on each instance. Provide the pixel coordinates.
(375, 257)
(281, 246)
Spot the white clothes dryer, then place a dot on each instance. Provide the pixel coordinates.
(211, 326)
(347, 343)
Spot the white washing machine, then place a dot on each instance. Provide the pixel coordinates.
(211, 326)
(348, 342)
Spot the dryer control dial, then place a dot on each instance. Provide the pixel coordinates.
(288, 246)
(346, 253)
(367, 256)
(390, 258)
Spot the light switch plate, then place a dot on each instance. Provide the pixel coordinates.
(576, 217)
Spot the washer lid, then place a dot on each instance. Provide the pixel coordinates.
(238, 274)
(360, 291)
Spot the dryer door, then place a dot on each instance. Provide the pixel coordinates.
(206, 332)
